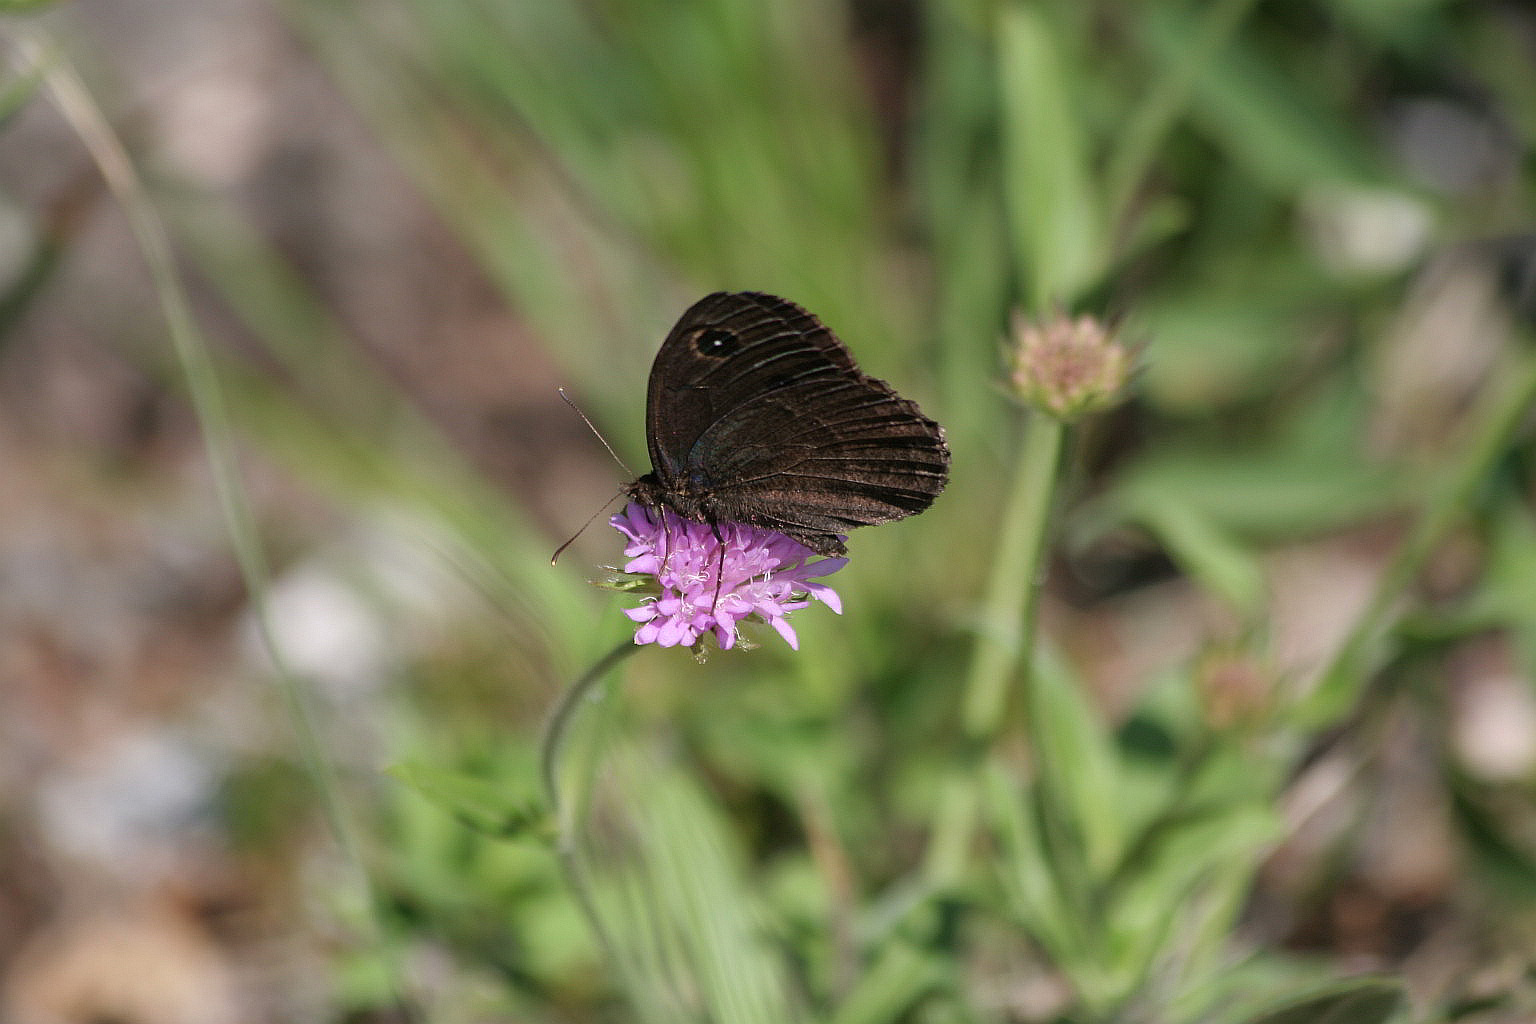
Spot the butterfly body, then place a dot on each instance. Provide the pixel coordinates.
(757, 414)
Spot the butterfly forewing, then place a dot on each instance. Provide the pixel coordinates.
(728, 348)
(757, 413)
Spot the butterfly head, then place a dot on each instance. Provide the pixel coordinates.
(651, 492)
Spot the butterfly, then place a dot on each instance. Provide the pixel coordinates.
(756, 413)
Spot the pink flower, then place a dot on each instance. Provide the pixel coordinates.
(766, 575)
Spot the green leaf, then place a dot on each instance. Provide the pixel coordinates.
(1275, 491)
(1505, 857)
(1078, 770)
(1359, 1001)
(1179, 894)
(900, 976)
(1207, 553)
(1512, 576)
(1028, 882)
(16, 93)
(1284, 136)
(494, 809)
(683, 923)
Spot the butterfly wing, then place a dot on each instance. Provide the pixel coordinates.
(756, 413)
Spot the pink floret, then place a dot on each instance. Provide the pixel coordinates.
(766, 575)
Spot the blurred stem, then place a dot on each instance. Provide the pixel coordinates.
(1493, 425)
(111, 158)
(1130, 160)
(1008, 617)
(1004, 642)
(566, 812)
(557, 730)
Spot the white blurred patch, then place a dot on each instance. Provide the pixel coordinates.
(1494, 729)
(214, 123)
(347, 618)
(209, 75)
(1363, 232)
(326, 632)
(129, 802)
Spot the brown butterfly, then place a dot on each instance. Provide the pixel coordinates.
(757, 414)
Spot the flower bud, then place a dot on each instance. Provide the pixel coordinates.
(1065, 366)
(1236, 689)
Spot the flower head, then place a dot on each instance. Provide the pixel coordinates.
(766, 575)
(1236, 688)
(1067, 366)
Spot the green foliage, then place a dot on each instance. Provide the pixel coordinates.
(683, 925)
(477, 802)
(1364, 1001)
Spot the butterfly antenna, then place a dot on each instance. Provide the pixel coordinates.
(627, 471)
(561, 549)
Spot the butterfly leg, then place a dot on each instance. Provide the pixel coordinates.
(666, 541)
(719, 568)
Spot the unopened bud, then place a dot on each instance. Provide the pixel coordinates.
(1066, 366)
(1236, 689)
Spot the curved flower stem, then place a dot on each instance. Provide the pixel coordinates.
(1502, 412)
(561, 811)
(555, 730)
(1005, 641)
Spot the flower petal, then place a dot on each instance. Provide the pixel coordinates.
(825, 594)
(645, 613)
(786, 631)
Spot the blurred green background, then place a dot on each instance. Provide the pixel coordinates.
(1272, 760)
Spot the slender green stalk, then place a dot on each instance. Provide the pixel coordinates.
(557, 729)
(1501, 414)
(1009, 614)
(80, 110)
(1004, 641)
(563, 811)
